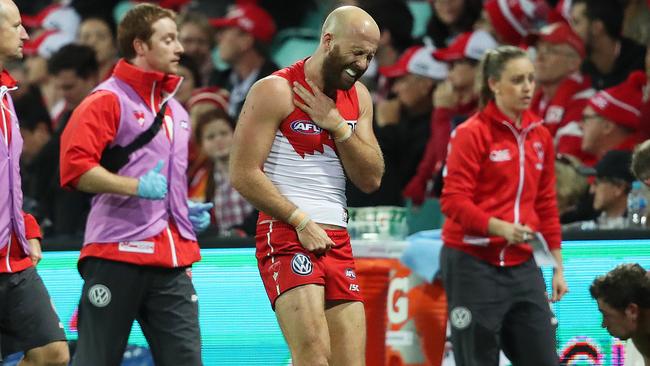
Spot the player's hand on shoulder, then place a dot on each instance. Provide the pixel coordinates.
(317, 105)
(315, 239)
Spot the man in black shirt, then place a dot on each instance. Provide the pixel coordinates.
(611, 57)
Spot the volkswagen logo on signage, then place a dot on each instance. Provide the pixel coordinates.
(301, 264)
(99, 295)
(305, 127)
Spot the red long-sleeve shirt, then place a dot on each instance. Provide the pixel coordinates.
(91, 128)
(487, 176)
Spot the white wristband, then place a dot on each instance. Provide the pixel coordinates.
(301, 226)
(345, 136)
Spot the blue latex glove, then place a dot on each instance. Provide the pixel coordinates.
(199, 215)
(153, 185)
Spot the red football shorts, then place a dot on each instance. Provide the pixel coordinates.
(285, 264)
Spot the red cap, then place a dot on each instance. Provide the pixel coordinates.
(416, 60)
(250, 18)
(621, 104)
(559, 33)
(512, 19)
(212, 94)
(472, 45)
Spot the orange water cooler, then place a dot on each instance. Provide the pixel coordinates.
(406, 316)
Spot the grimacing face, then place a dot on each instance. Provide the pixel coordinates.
(346, 62)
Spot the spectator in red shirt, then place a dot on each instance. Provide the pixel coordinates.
(497, 202)
(453, 101)
(29, 323)
(563, 91)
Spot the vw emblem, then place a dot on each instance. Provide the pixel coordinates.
(99, 295)
(301, 264)
(461, 317)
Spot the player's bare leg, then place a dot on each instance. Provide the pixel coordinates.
(301, 315)
(347, 328)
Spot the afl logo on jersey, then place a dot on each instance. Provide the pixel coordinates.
(305, 127)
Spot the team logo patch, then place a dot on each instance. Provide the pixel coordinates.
(305, 127)
(349, 273)
(99, 295)
(498, 156)
(139, 116)
(301, 264)
(460, 317)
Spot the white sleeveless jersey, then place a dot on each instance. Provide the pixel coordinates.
(303, 163)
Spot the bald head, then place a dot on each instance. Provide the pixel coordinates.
(351, 21)
(12, 33)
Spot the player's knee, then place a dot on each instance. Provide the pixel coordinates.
(53, 354)
(313, 350)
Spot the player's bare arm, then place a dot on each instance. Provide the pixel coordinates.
(359, 150)
(100, 180)
(268, 102)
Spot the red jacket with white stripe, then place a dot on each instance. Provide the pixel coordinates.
(495, 169)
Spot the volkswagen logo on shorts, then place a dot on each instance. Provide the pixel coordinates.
(305, 127)
(99, 295)
(301, 264)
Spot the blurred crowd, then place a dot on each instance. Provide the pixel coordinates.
(591, 75)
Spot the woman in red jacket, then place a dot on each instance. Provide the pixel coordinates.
(499, 194)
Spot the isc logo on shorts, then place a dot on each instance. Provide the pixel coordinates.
(301, 264)
(305, 127)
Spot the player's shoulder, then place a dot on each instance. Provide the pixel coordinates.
(272, 84)
(271, 93)
(363, 94)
